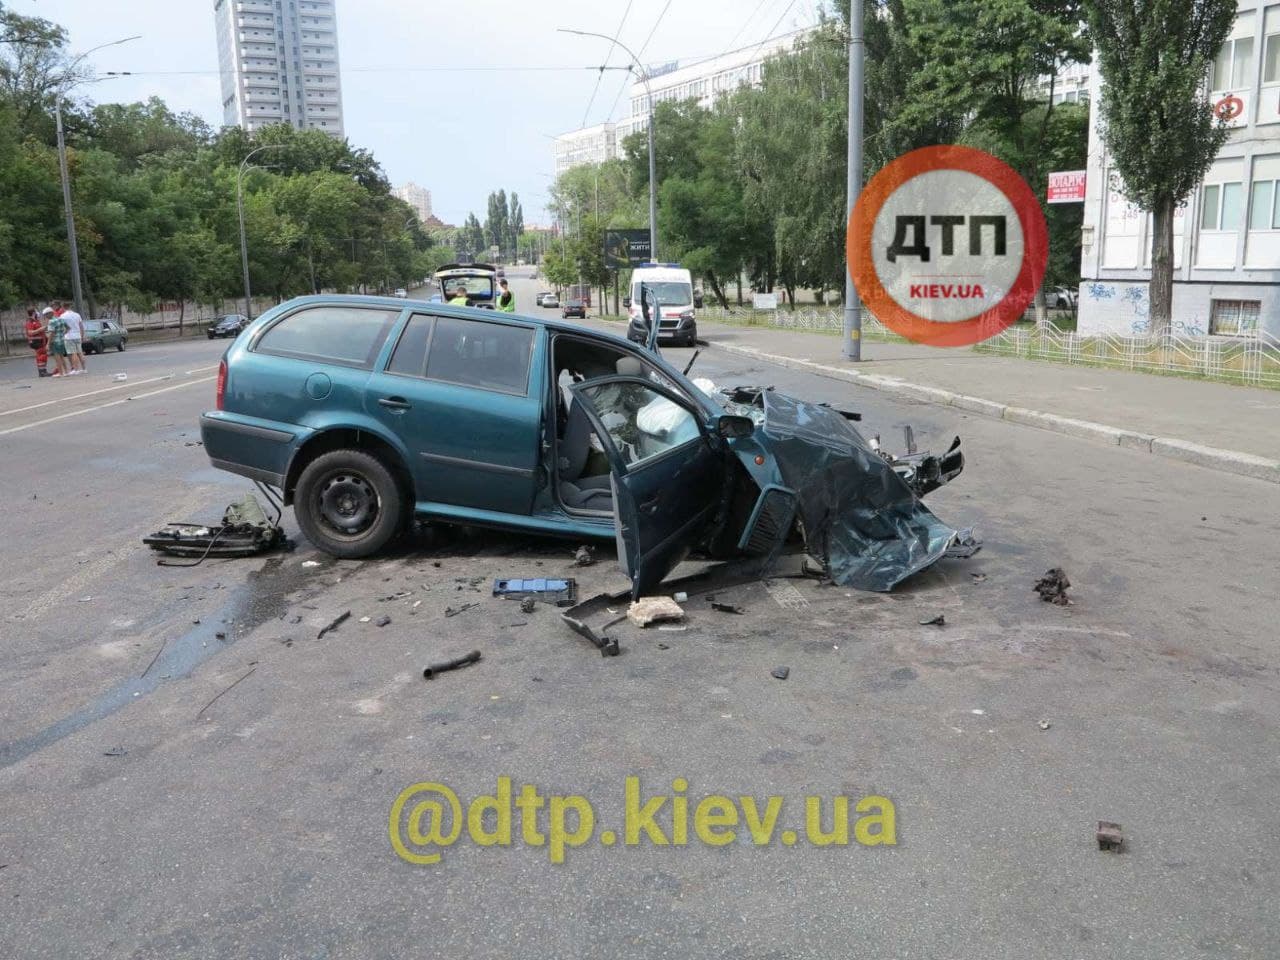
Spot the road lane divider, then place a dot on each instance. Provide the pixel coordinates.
(134, 384)
(104, 406)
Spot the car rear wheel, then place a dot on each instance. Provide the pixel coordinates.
(348, 504)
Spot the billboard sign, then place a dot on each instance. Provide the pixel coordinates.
(1066, 186)
(626, 248)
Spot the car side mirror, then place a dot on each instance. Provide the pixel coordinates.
(626, 302)
(733, 427)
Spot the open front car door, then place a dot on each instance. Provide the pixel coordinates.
(669, 472)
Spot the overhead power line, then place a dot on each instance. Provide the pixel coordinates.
(600, 76)
(644, 46)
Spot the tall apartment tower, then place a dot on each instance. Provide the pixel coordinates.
(279, 64)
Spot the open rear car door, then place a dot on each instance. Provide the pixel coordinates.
(669, 472)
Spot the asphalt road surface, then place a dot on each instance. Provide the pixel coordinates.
(168, 792)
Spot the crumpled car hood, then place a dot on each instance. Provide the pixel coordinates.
(856, 513)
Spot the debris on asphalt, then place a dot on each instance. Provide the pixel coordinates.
(977, 577)
(383, 621)
(680, 597)
(671, 629)
(225, 691)
(1052, 587)
(649, 610)
(780, 672)
(607, 646)
(664, 646)
(334, 624)
(245, 530)
(963, 545)
(454, 611)
(220, 635)
(435, 563)
(115, 752)
(528, 605)
(366, 619)
(447, 665)
(939, 621)
(1045, 724)
(725, 607)
(584, 556)
(85, 600)
(163, 644)
(1110, 837)
(561, 592)
(311, 563)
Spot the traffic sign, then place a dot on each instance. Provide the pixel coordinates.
(947, 246)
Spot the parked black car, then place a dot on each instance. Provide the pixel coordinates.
(101, 334)
(228, 326)
(574, 308)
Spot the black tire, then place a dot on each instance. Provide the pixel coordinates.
(348, 504)
(120, 345)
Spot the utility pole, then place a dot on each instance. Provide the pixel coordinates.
(77, 294)
(244, 246)
(643, 74)
(852, 339)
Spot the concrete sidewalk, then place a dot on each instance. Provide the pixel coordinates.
(1230, 428)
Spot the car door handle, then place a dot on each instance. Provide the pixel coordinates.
(394, 403)
(650, 505)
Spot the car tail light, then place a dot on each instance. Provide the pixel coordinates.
(222, 384)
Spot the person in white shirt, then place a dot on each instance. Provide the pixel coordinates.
(73, 340)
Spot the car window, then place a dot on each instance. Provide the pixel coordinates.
(410, 356)
(493, 356)
(641, 422)
(351, 336)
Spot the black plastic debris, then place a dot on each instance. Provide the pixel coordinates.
(1110, 836)
(584, 556)
(245, 531)
(939, 621)
(334, 624)
(780, 672)
(444, 667)
(963, 545)
(1052, 587)
(561, 592)
(382, 621)
(115, 752)
(725, 607)
(607, 646)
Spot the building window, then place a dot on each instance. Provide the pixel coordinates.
(1264, 205)
(1271, 47)
(1220, 206)
(1234, 318)
(1234, 66)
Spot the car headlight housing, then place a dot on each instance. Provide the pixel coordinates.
(686, 315)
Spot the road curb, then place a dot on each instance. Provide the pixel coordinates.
(1214, 458)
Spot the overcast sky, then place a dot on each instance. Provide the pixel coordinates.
(413, 87)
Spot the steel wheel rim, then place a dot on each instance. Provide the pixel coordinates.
(347, 504)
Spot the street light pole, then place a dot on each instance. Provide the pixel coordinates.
(244, 246)
(77, 291)
(852, 348)
(643, 74)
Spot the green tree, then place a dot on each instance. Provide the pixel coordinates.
(1157, 120)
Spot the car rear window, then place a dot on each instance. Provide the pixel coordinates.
(492, 356)
(349, 336)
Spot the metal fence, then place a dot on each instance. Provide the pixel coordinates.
(1253, 360)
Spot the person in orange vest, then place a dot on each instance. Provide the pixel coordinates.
(38, 341)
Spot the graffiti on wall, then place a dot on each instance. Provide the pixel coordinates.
(1126, 309)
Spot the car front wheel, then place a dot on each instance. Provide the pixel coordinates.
(120, 345)
(348, 504)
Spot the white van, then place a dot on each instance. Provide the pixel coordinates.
(672, 286)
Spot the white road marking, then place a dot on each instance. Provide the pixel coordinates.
(104, 406)
(91, 393)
